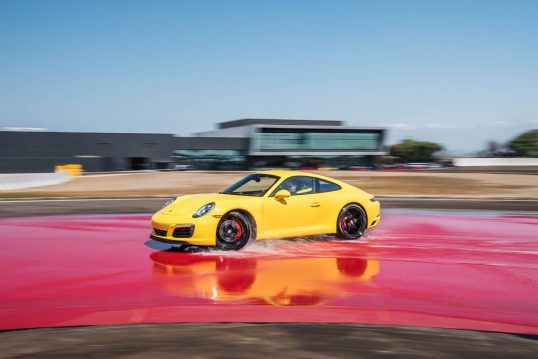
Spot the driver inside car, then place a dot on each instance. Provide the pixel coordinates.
(292, 187)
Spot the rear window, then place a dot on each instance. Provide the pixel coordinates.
(326, 186)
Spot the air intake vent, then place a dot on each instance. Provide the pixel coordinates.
(183, 232)
(159, 232)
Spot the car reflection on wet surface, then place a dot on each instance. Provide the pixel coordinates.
(452, 270)
(266, 280)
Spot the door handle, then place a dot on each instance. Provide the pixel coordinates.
(315, 204)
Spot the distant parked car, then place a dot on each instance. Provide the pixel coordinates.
(360, 168)
(395, 166)
(184, 167)
(416, 166)
(421, 166)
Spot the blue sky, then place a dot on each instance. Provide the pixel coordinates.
(456, 72)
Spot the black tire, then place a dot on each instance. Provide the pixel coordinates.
(352, 222)
(234, 231)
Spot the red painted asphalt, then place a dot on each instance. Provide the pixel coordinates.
(436, 270)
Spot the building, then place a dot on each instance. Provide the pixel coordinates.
(239, 144)
(26, 152)
(300, 143)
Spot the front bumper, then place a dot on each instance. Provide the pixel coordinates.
(203, 234)
(164, 240)
(373, 212)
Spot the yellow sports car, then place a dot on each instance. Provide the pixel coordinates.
(263, 205)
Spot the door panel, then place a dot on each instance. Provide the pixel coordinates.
(327, 213)
(311, 209)
(292, 216)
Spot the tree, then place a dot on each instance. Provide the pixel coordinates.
(415, 151)
(525, 144)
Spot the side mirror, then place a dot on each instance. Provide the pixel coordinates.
(283, 193)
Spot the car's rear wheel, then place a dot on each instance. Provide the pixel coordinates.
(351, 222)
(234, 231)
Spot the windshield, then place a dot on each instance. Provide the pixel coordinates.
(252, 185)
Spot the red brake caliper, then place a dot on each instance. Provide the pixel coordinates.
(344, 224)
(238, 229)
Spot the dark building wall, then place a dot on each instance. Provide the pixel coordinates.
(41, 151)
(32, 151)
(210, 143)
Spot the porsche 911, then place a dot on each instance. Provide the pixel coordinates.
(265, 205)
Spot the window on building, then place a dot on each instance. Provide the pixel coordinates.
(283, 140)
(341, 141)
(211, 159)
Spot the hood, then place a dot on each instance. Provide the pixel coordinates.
(190, 203)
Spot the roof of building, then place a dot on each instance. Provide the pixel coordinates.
(262, 121)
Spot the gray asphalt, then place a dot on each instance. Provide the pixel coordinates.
(27, 207)
(274, 340)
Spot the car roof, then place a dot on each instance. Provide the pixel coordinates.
(289, 173)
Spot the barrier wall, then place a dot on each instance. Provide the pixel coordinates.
(468, 162)
(14, 181)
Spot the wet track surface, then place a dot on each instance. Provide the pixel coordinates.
(448, 270)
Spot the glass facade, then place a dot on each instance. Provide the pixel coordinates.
(212, 159)
(294, 147)
(329, 140)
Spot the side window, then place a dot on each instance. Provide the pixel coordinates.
(297, 186)
(326, 186)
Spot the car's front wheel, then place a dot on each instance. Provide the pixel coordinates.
(234, 231)
(351, 221)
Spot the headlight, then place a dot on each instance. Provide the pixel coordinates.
(203, 210)
(167, 203)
